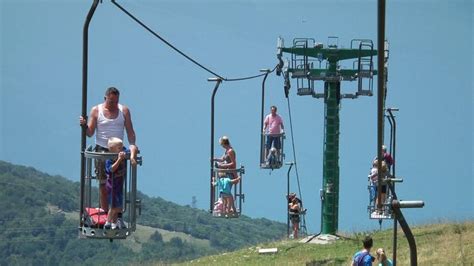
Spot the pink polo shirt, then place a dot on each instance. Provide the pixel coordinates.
(273, 124)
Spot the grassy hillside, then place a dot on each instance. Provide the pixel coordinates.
(437, 244)
(40, 217)
(40, 221)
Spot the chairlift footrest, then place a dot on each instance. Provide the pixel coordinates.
(381, 216)
(100, 233)
(225, 215)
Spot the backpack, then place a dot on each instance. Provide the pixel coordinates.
(95, 217)
(360, 259)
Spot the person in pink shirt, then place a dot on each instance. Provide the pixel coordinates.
(273, 128)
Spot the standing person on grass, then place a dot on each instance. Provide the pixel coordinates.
(382, 259)
(363, 257)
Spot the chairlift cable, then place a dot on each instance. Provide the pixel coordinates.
(294, 150)
(179, 51)
(293, 146)
(294, 158)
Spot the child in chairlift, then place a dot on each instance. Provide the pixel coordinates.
(115, 170)
(373, 177)
(224, 184)
(218, 206)
(272, 158)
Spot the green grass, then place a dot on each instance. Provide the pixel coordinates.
(143, 233)
(437, 244)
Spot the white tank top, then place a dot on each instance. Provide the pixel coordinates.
(107, 128)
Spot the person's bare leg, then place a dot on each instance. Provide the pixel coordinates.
(295, 230)
(231, 204)
(104, 204)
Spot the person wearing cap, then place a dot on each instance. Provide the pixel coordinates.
(294, 211)
(292, 196)
(295, 206)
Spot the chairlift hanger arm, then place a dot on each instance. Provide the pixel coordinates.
(85, 57)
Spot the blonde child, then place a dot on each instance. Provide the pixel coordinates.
(115, 170)
(224, 184)
(382, 259)
(374, 179)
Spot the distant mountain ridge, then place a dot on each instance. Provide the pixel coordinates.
(39, 215)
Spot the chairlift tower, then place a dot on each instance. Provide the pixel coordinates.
(310, 62)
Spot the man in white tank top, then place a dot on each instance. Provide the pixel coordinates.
(109, 119)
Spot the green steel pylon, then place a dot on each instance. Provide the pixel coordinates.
(304, 55)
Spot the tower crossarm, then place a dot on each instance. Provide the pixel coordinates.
(330, 54)
(326, 74)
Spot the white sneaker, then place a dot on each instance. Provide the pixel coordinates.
(107, 225)
(113, 226)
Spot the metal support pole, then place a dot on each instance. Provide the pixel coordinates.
(396, 205)
(133, 198)
(408, 204)
(85, 52)
(218, 82)
(331, 155)
(393, 137)
(380, 92)
(391, 133)
(287, 204)
(262, 138)
(393, 125)
(408, 234)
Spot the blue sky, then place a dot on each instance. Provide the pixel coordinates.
(430, 80)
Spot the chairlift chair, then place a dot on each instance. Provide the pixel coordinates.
(272, 158)
(93, 217)
(237, 195)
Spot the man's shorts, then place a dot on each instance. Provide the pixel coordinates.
(275, 140)
(100, 166)
(295, 218)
